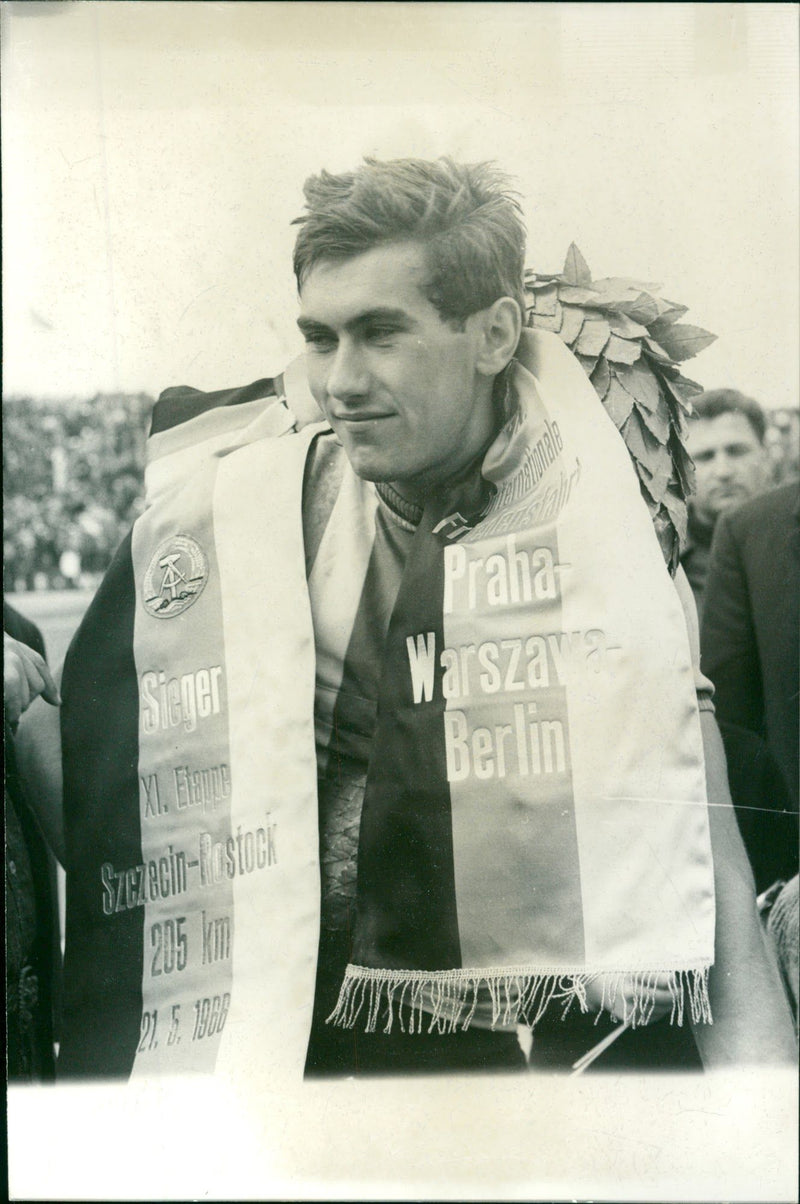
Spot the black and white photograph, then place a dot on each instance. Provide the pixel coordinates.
(401, 570)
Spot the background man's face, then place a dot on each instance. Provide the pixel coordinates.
(398, 385)
(731, 464)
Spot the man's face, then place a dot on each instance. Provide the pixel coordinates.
(731, 464)
(399, 386)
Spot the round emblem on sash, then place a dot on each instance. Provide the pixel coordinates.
(175, 577)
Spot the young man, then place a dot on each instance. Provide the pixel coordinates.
(386, 729)
(726, 442)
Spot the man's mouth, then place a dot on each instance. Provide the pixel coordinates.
(361, 416)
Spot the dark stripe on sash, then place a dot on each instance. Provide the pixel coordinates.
(354, 715)
(182, 403)
(406, 891)
(105, 922)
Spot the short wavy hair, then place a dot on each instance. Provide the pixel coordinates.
(716, 402)
(465, 216)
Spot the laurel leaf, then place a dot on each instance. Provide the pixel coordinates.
(643, 309)
(684, 467)
(669, 523)
(546, 301)
(622, 351)
(657, 422)
(680, 340)
(676, 505)
(570, 294)
(618, 402)
(657, 473)
(576, 269)
(681, 390)
(601, 378)
(548, 322)
(594, 335)
(641, 444)
(571, 322)
(676, 411)
(587, 362)
(668, 537)
(616, 290)
(673, 311)
(640, 381)
(673, 499)
(686, 388)
(622, 325)
(657, 351)
(535, 281)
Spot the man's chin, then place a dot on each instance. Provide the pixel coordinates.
(370, 463)
(369, 471)
(729, 500)
(411, 488)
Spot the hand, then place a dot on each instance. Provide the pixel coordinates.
(616, 995)
(25, 677)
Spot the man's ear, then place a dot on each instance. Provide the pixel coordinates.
(499, 330)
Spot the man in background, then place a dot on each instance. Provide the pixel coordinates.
(726, 442)
(751, 648)
(749, 637)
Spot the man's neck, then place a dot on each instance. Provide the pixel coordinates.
(408, 513)
(417, 494)
(701, 526)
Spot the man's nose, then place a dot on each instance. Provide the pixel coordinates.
(722, 464)
(348, 375)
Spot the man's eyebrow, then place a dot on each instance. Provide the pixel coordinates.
(310, 326)
(381, 313)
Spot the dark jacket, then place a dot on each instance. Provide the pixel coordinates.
(749, 633)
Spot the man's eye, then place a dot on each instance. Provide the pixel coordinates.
(320, 342)
(381, 334)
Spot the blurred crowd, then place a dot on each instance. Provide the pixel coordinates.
(72, 483)
(73, 470)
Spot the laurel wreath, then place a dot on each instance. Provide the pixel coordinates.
(630, 342)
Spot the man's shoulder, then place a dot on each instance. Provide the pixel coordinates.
(181, 403)
(776, 507)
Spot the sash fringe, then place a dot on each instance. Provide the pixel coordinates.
(447, 999)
